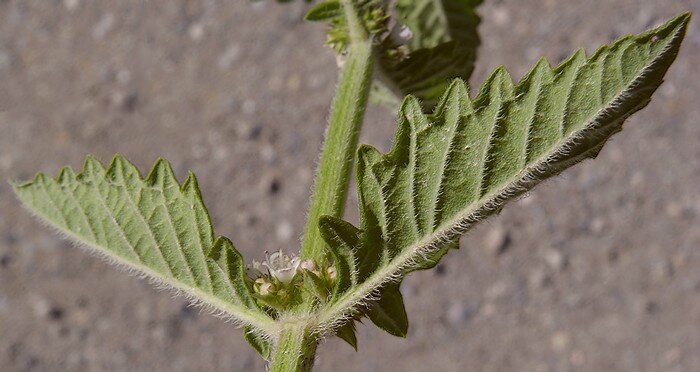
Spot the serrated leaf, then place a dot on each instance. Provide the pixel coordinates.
(325, 11)
(153, 226)
(452, 169)
(389, 313)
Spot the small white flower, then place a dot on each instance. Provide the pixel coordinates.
(280, 266)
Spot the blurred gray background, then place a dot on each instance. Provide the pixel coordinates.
(598, 270)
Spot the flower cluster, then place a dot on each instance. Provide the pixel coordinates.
(280, 279)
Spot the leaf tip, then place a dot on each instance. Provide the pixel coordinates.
(161, 174)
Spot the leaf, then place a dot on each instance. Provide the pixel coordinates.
(154, 227)
(343, 239)
(443, 47)
(389, 313)
(434, 22)
(348, 334)
(325, 11)
(259, 343)
(452, 169)
(315, 285)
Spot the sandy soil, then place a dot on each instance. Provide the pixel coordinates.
(598, 270)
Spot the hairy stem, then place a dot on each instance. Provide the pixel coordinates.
(333, 174)
(295, 350)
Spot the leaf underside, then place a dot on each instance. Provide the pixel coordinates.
(455, 167)
(155, 227)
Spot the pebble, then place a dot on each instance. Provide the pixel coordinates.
(71, 4)
(662, 269)
(497, 240)
(496, 290)
(596, 226)
(196, 31)
(673, 356)
(555, 259)
(5, 60)
(460, 313)
(560, 341)
(228, 57)
(284, 231)
(539, 279)
(103, 26)
(577, 358)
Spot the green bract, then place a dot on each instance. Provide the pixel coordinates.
(457, 159)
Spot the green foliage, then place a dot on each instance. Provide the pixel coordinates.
(443, 47)
(434, 22)
(152, 226)
(453, 168)
(325, 11)
(447, 171)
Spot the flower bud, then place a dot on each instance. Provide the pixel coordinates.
(332, 274)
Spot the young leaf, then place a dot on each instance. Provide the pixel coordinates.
(257, 342)
(425, 73)
(433, 22)
(442, 47)
(348, 334)
(154, 227)
(325, 11)
(452, 169)
(389, 313)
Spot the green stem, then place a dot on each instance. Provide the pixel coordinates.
(333, 174)
(295, 351)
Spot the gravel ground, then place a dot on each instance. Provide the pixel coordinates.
(598, 270)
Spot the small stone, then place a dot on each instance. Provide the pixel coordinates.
(459, 313)
(284, 231)
(103, 26)
(440, 270)
(196, 31)
(662, 269)
(123, 76)
(41, 306)
(674, 210)
(560, 341)
(228, 57)
(577, 358)
(249, 107)
(71, 4)
(5, 260)
(267, 153)
(555, 259)
(596, 226)
(539, 279)
(651, 307)
(673, 356)
(5, 60)
(501, 16)
(55, 313)
(275, 186)
(497, 240)
(487, 310)
(294, 83)
(496, 290)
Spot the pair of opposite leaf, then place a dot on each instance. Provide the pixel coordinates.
(447, 171)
